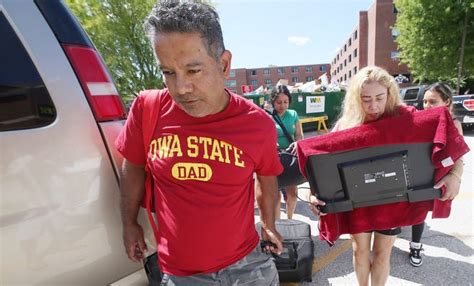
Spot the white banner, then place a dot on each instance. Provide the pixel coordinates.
(314, 104)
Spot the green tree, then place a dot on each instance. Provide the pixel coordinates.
(436, 39)
(116, 29)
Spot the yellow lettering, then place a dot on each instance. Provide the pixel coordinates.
(191, 171)
(237, 154)
(152, 150)
(193, 149)
(176, 147)
(216, 151)
(226, 147)
(164, 143)
(205, 142)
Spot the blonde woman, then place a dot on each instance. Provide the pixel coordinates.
(372, 95)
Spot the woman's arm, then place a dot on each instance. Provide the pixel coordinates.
(298, 131)
(452, 180)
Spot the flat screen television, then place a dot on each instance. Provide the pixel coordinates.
(372, 176)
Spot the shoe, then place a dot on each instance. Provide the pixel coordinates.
(415, 256)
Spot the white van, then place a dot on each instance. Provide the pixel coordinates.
(59, 116)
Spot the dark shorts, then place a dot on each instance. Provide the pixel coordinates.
(392, 231)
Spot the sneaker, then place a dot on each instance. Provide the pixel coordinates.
(415, 256)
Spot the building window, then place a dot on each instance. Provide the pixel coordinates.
(355, 53)
(337, 69)
(232, 73)
(350, 42)
(294, 79)
(268, 81)
(308, 69)
(309, 78)
(266, 71)
(350, 58)
(394, 55)
(294, 69)
(395, 34)
(340, 67)
(350, 74)
(345, 62)
(230, 83)
(281, 70)
(322, 68)
(337, 56)
(345, 77)
(355, 70)
(253, 82)
(355, 35)
(253, 72)
(345, 48)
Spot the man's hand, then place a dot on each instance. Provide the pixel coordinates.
(132, 188)
(274, 237)
(452, 184)
(134, 242)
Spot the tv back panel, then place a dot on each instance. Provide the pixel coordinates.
(372, 176)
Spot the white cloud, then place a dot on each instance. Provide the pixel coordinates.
(299, 41)
(336, 50)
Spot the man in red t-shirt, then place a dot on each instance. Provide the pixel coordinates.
(206, 146)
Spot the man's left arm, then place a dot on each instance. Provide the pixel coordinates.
(267, 197)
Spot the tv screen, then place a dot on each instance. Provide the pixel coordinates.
(372, 176)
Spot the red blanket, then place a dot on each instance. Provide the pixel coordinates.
(433, 125)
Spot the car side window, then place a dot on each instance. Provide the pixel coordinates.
(411, 94)
(24, 100)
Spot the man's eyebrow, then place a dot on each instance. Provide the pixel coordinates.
(190, 65)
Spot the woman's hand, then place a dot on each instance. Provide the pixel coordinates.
(292, 148)
(452, 183)
(313, 205)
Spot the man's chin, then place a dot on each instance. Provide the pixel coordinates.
(194, 112)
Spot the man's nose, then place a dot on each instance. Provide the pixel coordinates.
(183, 85)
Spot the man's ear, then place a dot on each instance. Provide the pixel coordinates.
(226, 59)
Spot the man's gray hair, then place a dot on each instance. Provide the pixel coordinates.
(168, 16)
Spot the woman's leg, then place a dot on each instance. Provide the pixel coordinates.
(278, 206)
(415, 246)
(291, 201)
(381, 260)
(417, 232)
(361, 256)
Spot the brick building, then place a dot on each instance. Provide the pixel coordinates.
(371, 42)
(269, 76)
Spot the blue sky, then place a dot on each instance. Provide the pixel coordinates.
(260, 33)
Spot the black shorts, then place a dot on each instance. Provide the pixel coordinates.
(392, 231)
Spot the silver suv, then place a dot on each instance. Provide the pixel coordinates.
(59, 116)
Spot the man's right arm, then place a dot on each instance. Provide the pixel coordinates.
(132, 189)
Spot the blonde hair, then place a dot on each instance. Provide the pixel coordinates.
(352, 112)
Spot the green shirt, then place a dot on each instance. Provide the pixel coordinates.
(290, 119)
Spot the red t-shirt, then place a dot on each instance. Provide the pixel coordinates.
(203, 176)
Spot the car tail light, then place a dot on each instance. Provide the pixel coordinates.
(468, 104)
(96, 83)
